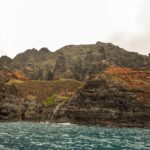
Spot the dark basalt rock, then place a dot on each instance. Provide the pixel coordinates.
(13, 107)
(10, 106)
(106, 102)
(119, 99)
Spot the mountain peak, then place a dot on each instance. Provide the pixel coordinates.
(99, 43)
(5, 60)
(44, 50)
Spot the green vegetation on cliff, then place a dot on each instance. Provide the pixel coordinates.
(49, 101)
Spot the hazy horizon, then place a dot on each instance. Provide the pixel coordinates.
(53, 24)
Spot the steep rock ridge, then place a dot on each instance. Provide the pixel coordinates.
(104, 55)
(120, 98)
(60, 67)
(5, 63)
(93, 58)
(64, 68)
(36, 64)
(76, 61)
(4, 60)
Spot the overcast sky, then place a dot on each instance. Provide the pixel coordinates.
(26, 24)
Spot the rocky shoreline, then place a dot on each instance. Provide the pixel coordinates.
(107, 99)
(100, 103)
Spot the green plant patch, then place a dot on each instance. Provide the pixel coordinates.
(14, 81)
(49, 101)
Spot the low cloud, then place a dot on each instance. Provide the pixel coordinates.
(139, 39)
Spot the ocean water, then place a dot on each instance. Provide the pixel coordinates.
(41, 136)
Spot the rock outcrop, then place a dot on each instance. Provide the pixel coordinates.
(35, 64)
(26, 100)
(8, 75)
(116, 97)
(4, 61)
(10, 105)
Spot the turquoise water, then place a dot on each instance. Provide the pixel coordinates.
(36, 136)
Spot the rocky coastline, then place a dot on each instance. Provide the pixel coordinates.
(101, 89)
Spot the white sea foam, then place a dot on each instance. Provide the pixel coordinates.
(2, 147)
(65, 124)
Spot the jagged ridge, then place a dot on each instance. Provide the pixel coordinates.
(75, 61)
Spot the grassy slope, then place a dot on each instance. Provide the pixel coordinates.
(40, 90)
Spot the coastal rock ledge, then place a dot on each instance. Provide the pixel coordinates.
(118, 97)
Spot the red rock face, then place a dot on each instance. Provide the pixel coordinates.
(20, 75)
(136, 80)
(6, 76)
(129, 72)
